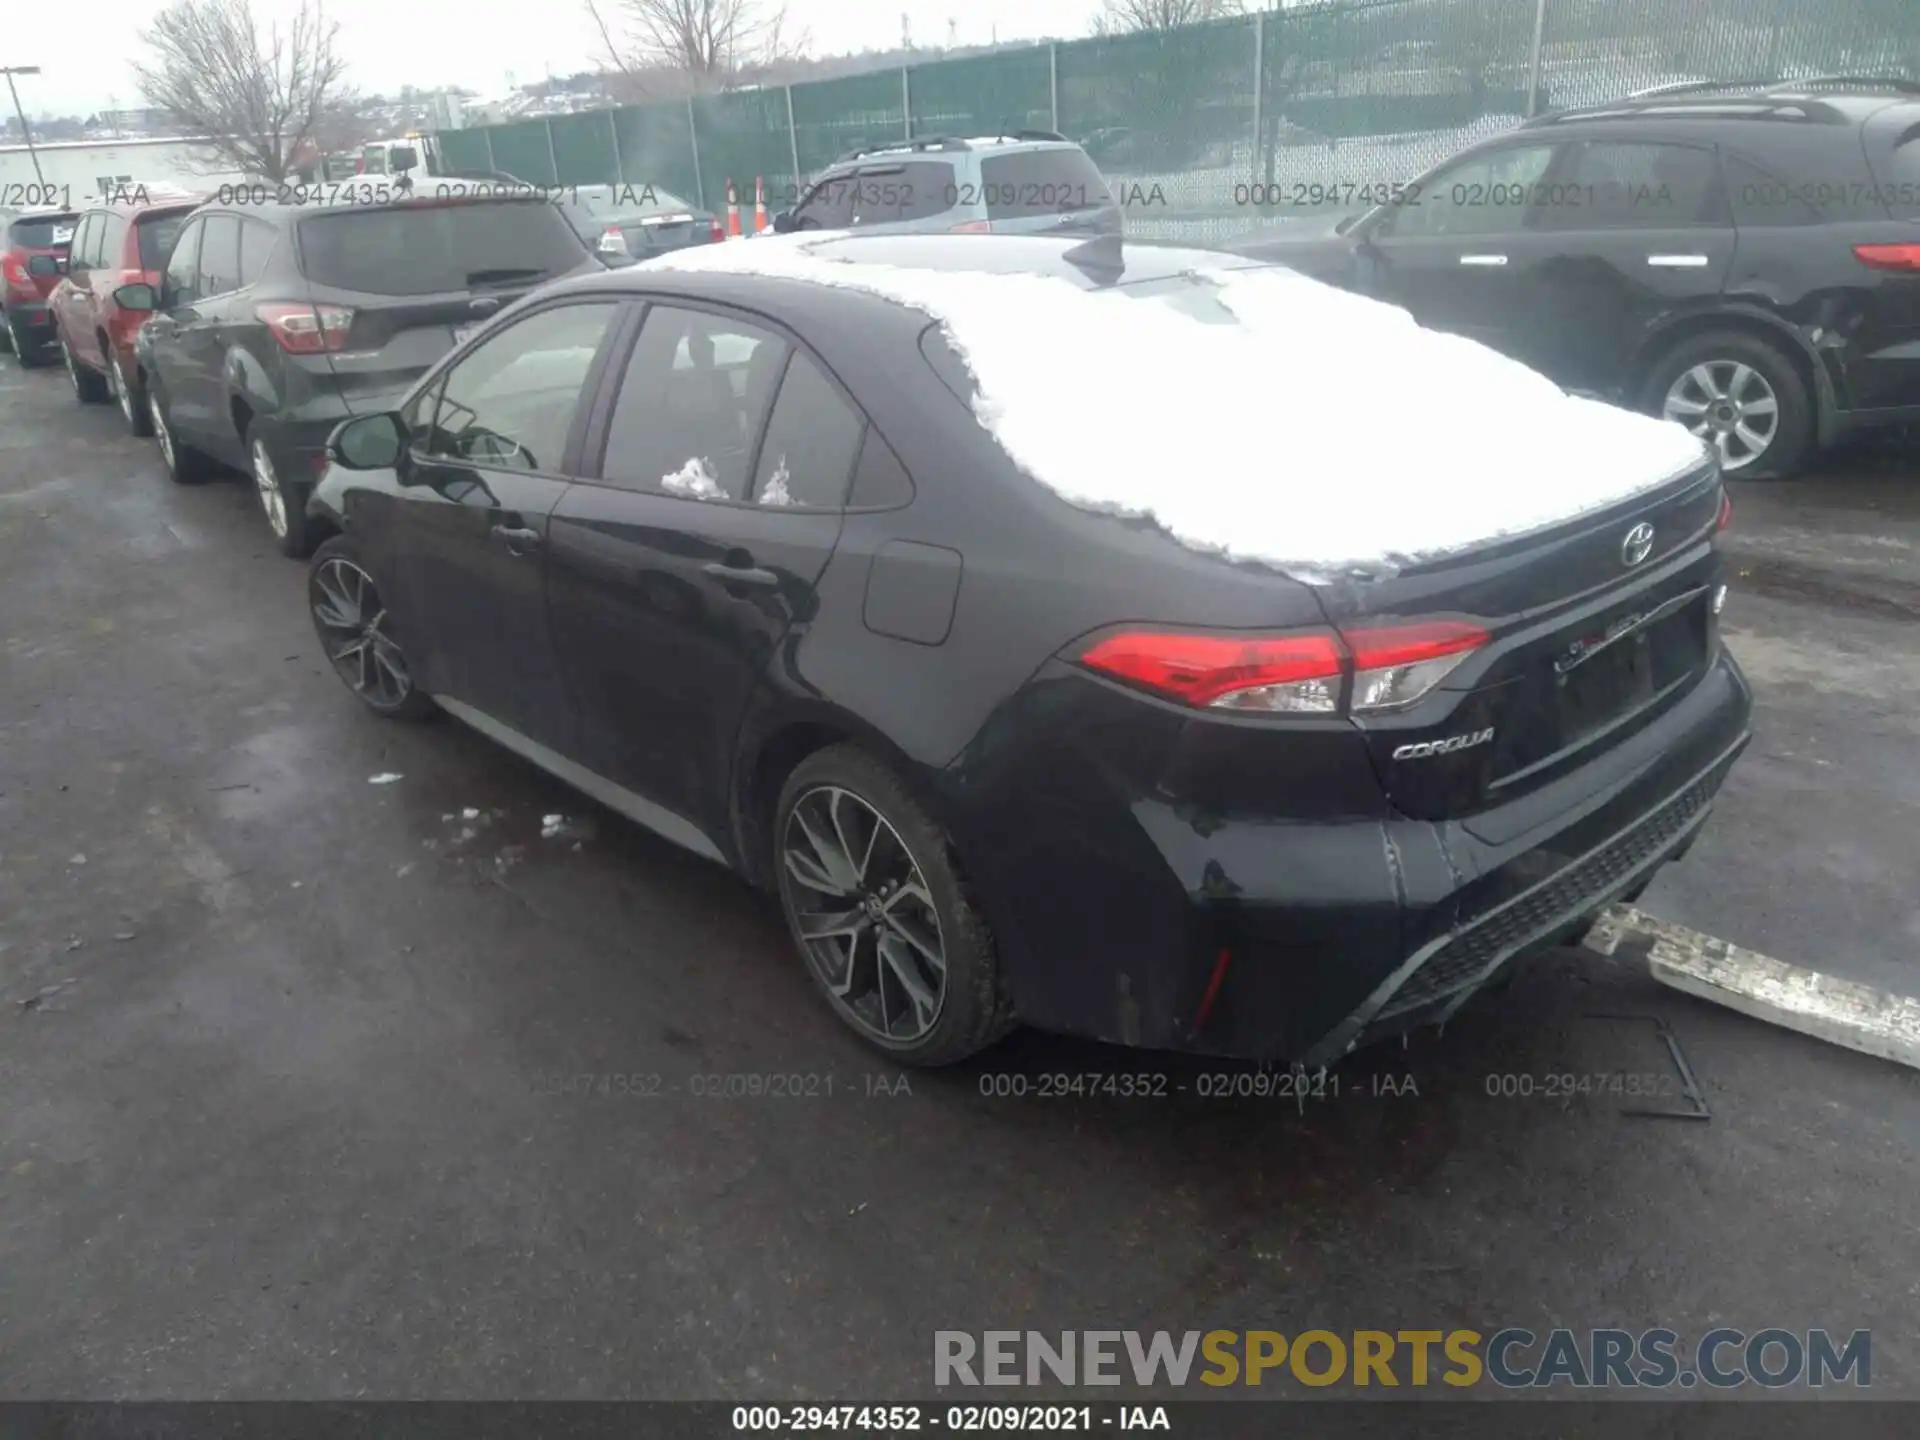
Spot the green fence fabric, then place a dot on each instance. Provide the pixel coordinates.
(1210, 130)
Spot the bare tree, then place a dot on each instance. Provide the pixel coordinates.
(260, 97)
(698, 46)
(1129, 17)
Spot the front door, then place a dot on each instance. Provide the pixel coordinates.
(480, 484)
(682, 564)
(1445, 254)
(167, 332)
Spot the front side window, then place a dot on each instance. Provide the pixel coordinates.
(691, 404)
(510, 403)
(1486, 195)
(828, 206)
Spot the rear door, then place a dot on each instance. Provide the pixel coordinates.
(419, 276)
(693, 548)
(1630, 236)
(71, 300)
(481, 482)
(198, 395)
(1446, 254)
(164, 331)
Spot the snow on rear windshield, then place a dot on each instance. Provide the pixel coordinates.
(1318, 431)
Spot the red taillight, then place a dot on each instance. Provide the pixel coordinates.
(16, 272)
(1390, 666)
(1394, 665)
(971, 227)
(719, 233)
(1275, 672)
(307, 329)
(1888, 257)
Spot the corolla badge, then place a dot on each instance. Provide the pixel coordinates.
(1636, 545)
(1444, 747)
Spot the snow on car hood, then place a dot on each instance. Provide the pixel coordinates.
(1322, 434)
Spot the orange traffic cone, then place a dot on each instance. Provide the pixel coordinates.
(733, 213)
(760, 221)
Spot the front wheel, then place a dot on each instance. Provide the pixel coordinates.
(1741, 395)
(356, 634)
(880, 914)
(131, 397)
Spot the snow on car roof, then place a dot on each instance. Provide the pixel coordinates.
(1318, 432)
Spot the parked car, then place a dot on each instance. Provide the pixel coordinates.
(1741, 260)
(1029, 183)
(274, 322)
(734, 554)
(113, 246)
(31, 265)
(628, 223)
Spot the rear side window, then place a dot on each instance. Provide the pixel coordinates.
(691, 404)
(1761, 198)
(220, 255)
(81, 246)
(880, 481)
(257, 239)
(913, 191)
(812, 438)
(113, 242)
(828, 206)
(181, 284)
(42, 232)
(437, 249)
(1636, 186)
(1041, 182)
(157, 236)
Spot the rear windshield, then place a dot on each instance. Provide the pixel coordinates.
(43, 232)
(433, 249)
(1900, 174)
(157, 234)
(1041, 182)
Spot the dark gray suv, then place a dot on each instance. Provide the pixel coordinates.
(1031, 182)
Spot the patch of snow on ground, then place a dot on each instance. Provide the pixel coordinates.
(1324, 432)
(387, 778)
(694, 480)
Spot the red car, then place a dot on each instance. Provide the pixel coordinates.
(33, 257)
(123, 243)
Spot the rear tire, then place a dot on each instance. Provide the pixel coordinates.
(1731, 389)
(89, 386)
(878, 900)
(24, 350)
(284, 502)
(185, 466)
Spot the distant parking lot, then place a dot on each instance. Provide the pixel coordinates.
(282, 1051)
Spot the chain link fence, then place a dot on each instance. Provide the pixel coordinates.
(1297, 108)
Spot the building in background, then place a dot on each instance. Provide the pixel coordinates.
(84, 168)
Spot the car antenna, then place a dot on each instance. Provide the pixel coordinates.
(1100, 259)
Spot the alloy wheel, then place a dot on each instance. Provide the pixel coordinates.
(864, 915)
(350, 616)
(162, 433)
(272, 499)
(1729, 404)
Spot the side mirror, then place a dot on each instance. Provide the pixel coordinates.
(137, 297)
(368, 442)
(783, 222)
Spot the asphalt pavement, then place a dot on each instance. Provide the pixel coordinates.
(289, 1060)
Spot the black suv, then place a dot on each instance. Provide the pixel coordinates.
(1744, 259)
(276, 322)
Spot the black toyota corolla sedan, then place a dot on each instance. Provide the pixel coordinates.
(741, 549)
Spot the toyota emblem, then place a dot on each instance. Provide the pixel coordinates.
(1637, 545)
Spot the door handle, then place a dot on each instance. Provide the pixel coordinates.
(1483, 259)
(750, 577)
(1678, 262)
(517, 539)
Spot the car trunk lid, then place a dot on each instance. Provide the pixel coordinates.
(1593, 629)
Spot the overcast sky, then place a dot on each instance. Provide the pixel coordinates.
(478, 43)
